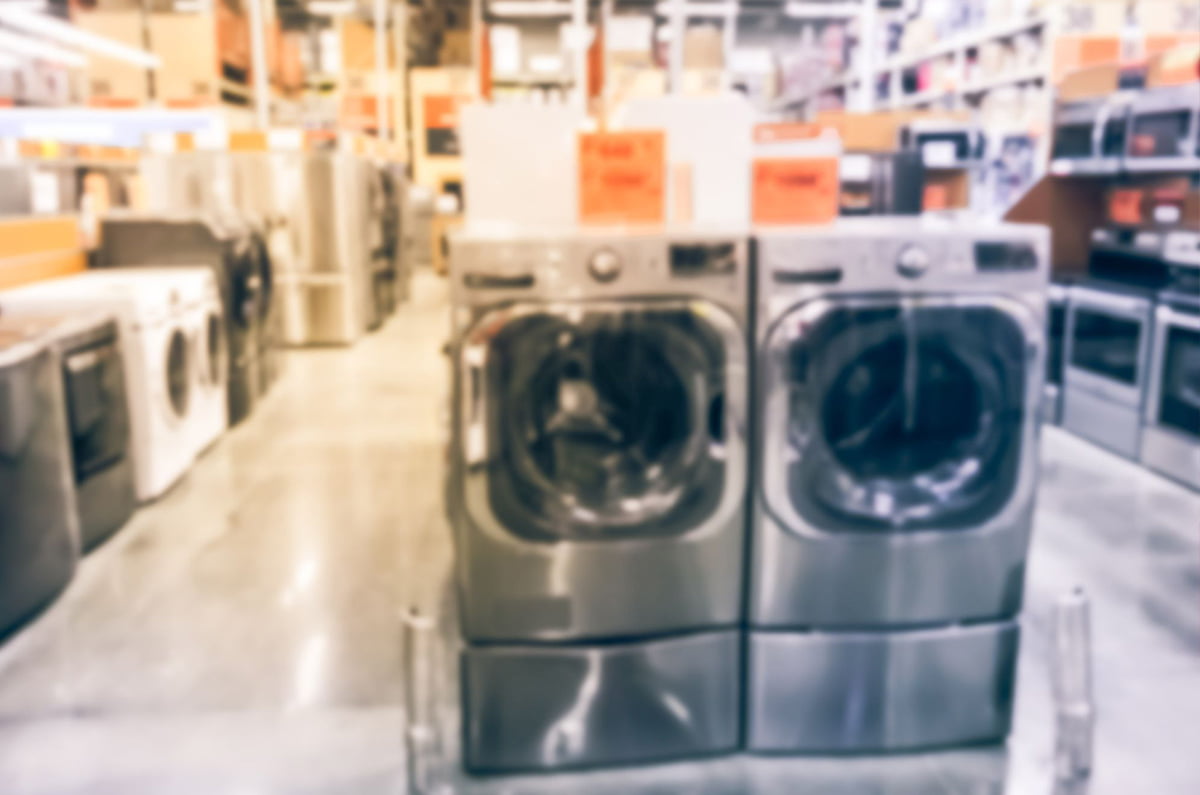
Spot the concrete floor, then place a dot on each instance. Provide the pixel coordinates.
(241, 635)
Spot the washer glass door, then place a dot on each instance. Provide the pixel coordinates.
(177, 373)
(894, 415)
(599, 421)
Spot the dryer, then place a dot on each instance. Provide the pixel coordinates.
(88, 346)
(39, 525)
(235, 252)
(900, 366)
(597, 493)
(162, 326)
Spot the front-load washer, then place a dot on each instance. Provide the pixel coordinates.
(39, 524)
(196, 306)
(899, 375)
(97, 409)
(229, 245)
(172, 416)
(597, 494)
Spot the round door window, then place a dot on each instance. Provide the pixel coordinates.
(178, 383)
(605, 424)
(903, 419)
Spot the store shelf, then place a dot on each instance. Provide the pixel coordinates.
(976, 87)
(964, 41)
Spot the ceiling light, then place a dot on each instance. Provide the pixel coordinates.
(332, 8)
(698, 10)
(802, 10)
(66, 33)
(22, 45)
(529, 8)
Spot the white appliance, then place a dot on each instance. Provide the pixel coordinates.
(166, 317)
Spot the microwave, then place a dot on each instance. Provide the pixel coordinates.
(1164, 130)
(1089, 135)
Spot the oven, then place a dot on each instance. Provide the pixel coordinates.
(1171, 438)
(1164, 130)
(1106, 366)
(1089, 136)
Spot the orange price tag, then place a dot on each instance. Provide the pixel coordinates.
(1125, 206)
(793, 190)
(622, 177)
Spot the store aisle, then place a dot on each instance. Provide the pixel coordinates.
(243, 630)
(241, 635)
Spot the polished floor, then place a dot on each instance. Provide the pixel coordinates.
(242, 635)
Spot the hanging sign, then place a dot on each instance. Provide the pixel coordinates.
(622, 177)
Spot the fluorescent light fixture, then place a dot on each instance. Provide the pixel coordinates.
(529, 8)
(193, 6)
(68, 34)
(12, 44)
(331, 8)
(802, 10)
(699, 10)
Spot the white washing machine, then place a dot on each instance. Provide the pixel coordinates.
(196, 305)
(167, 319)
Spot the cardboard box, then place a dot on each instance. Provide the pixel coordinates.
(1093, 81)
(113, 83)
(1071, 208)
(188, 48)
(1084, 17)
(879, 131)
(456, 48)
(1177, 66)
(1167, 16)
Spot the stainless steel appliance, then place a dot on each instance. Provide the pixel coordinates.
(900, 366)
(1109, 324)
(39, 520)
(1164, 130)
(1171, 436)
(597, 494)
(1090, 135)
(229, 245)
(328, 297)
(882, 183)
(1056, 339)
(97, 410)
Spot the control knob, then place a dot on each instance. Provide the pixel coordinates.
(913, 262)
(604, 265)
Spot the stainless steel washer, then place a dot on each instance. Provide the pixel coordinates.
(597, 494)
(900, 367)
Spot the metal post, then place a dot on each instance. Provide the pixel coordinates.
(477, 31)
(730, 42)
(148, 46)
(868, 44)
(1072, 668)
(381, 69)
(677, 24)
(421, 735)
(579, 54)
(258, 60)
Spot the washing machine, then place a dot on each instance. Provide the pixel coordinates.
(899, 376)
(171, 331)
(39, 525)
(230, 246)
(597, 493)
(88, 345)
